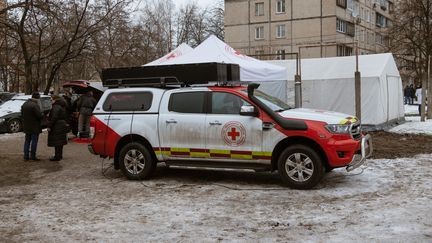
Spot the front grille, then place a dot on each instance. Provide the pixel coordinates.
(356, 131)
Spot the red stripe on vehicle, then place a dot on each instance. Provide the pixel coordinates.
(220, 155)
(199, 150)
(180, 153)
(241, 152)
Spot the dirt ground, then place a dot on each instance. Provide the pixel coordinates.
(392, 145)
(83, 199)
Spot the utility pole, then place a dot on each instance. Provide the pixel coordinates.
(423, 91)
(357, 85)
(428, 94)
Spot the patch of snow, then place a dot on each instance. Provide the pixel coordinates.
(411, 109)
(413, 125)
(7, 136)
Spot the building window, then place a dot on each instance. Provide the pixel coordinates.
(368, 16)
(350, 5)
(380, 20)
(259, 33)
(345, 27)
(280, 54)
(280, 6)
(344, 50)
(379, 39)
(341, 3)
(341, 26)
(259, 9)
(280, 31)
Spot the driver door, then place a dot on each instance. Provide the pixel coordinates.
(230, 135)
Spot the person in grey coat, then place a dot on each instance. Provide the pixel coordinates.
(85, 104)
(32, 126)
(57, 127)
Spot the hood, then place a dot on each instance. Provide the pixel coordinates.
(10, 107)
(329, 117)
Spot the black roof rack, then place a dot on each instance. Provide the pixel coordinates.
(163, 75)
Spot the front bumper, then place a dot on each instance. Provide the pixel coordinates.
(366, 150)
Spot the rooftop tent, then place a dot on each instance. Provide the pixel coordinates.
(179, 51)
(271, 77)
(328, 84)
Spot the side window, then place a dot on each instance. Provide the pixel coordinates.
(226, 103)
(127, 101)
(187, 102)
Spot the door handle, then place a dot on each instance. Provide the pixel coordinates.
(171, 121)
(215, 123)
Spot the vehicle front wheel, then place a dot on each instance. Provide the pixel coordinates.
(300, 167)
(136, 162)
(14, 126)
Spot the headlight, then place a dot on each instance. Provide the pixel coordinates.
(2, 120)
(338, 129)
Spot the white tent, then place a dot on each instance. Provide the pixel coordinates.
(328, 84)
(272, 77)
(179, 51)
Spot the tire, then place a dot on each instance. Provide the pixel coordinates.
(135, 161)
(300, 167)
(14, 126)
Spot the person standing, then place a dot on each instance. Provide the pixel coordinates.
(419, 96)
(57, 127)
(85, 104)
(32, 126)
(406, 94)
(412, 95)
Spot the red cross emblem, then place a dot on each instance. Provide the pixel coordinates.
(233, 133)
(173, 55)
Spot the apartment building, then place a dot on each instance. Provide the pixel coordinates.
(320, 28)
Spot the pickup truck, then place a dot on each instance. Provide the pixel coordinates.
(235, 127)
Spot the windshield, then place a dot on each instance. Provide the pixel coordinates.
(272, 102)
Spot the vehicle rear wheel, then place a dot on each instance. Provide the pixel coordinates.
(300, 167)
(14, 126)
(136, 162)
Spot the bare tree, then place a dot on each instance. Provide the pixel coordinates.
(410, 39)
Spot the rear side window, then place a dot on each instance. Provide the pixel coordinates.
(188, 102)
(137, 101)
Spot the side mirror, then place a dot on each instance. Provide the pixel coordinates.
(248, 110)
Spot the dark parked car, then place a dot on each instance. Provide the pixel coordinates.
(5, 96)
(10, 112)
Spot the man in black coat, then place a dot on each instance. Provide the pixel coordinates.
(85, 104)
(32, 118)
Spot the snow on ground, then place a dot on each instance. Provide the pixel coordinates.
(71, 200)
(413, 125)
(411, 110)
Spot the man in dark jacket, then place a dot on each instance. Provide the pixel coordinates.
(85, 104)
(32, 118)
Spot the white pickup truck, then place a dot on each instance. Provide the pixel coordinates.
(235, 127)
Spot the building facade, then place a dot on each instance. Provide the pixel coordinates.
(317, 28)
